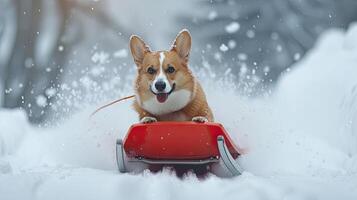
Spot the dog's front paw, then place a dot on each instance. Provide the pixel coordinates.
(200, 119)
(147, 120)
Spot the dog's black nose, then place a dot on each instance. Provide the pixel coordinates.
(160, 86)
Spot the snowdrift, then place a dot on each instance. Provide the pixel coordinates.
(301, 142)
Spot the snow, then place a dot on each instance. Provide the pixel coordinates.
(301, 142)
(60, 48)
(242, 56)
(297, 56)
(50, 92)
(41, 101)
(212, 15)
(250, 34)
(100, 57)
(232, 44)
(122, 53)
(223, 48)
(233, 27)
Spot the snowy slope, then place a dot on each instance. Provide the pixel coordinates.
(301, 142)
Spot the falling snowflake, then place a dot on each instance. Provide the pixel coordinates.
(41, 101)
(122, 53)
(100, 57)
(232, 44)
(212, 15)
(250, 34)
(223, 48)
(60, 48)
(242, 56)
(232, 27)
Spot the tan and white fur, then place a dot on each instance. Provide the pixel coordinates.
(165, 88)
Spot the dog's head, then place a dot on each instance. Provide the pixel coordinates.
(164, 79)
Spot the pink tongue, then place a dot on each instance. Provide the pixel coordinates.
(161, 97)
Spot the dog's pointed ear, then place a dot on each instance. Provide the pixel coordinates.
(182, 44)
(138, 49)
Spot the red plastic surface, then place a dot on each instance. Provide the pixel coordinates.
(176, 140)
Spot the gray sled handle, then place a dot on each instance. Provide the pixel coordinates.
(120, 156)
(227, 158)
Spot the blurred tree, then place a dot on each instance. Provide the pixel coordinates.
(35, 39)
(33, 62)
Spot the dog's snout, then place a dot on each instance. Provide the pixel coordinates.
(160, 86)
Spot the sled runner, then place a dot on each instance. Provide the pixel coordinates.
(178, 144)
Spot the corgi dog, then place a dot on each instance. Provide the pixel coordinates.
(165, 88)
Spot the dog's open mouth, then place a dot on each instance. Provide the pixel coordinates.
(162, 97)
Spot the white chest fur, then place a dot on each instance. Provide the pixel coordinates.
(175, 116)
(176, 101)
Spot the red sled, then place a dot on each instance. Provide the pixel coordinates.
(178, 144)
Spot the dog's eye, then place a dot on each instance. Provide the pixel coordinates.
(151, 70)
(170, 69)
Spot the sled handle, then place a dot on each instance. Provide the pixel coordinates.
(227, 158)
(120, 156)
